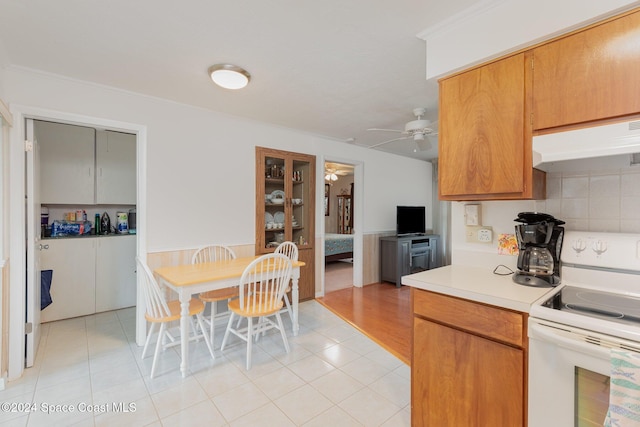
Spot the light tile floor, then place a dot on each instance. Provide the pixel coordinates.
(333, 376)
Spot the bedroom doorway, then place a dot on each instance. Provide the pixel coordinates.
(338, 225)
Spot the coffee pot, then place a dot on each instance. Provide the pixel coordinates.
(539, 242)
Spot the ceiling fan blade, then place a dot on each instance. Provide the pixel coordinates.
(387, 130)
(386, 142)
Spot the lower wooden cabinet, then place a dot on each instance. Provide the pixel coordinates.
(461, 376)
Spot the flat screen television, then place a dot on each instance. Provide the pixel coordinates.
(410, 220)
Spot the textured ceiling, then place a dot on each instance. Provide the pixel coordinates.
(333, 68)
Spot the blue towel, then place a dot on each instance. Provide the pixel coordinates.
(45, 288)
(624, 390)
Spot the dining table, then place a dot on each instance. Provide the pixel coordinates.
(191, 279)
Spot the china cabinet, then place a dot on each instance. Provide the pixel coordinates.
(285, 207)
(345, 214)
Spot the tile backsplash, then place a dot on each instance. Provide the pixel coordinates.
(607, 201)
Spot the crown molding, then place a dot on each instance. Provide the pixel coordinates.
(460, 17)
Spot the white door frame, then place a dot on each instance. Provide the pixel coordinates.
(358, 217)
(17, 259)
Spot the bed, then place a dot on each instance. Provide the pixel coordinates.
(337, 247)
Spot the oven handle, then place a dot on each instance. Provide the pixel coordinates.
(546, 333)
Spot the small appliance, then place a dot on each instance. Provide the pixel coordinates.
(105, 224)
(539, 242)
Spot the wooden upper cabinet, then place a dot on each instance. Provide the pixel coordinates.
(485, 134)
(588, 75)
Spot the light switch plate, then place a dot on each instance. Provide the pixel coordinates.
(472, 215)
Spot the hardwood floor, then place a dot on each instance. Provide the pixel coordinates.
(381, 311)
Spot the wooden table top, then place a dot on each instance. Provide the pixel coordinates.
(192, 274)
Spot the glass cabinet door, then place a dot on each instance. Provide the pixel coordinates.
(285, 197)
(274, 202)
(301, 203)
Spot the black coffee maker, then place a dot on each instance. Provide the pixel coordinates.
(539, 242)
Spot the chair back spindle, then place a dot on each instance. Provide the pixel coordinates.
(213, 253)
(289, 249)
(264, 282)
(154, 300)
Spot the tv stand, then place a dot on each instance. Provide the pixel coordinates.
(403, 255)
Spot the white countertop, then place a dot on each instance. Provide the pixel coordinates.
(477, 284)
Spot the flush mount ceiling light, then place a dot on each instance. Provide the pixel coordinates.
(229, 76)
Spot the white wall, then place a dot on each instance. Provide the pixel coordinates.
(201, 164)
(603, 201)
(492, 28)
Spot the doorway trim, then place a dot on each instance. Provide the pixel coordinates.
(358, 206)
(17, 260)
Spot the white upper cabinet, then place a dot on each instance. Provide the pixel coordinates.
(115, 168)
(67, 163)
(82, 166)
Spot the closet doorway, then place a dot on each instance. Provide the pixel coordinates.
(338, 225)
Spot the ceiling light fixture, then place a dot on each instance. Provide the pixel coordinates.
(331, 177)
(229, 76)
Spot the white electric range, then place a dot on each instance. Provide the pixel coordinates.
(571, 334)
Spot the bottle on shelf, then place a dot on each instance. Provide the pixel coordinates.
(97, 224)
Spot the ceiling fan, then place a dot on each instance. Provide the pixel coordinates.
(415, 129)
(332, 170)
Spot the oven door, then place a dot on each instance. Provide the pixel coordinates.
(568, 375)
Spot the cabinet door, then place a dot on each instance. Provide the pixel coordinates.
(589, 75)
(271, 200)
(115, 273)
(404, 259)
(115, 168)
(73, 290)
(302, 177)
(67, 163)
(485, 141)
(455, 380)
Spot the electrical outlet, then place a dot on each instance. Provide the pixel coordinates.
(479, 234)
(485, 235)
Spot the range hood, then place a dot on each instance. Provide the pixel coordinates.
(606, 146)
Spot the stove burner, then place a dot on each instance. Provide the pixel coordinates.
(598, 304)
(587, 310)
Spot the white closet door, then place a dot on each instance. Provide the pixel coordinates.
(67, 163)
(73, 286)
(116, 273)
(116, 168)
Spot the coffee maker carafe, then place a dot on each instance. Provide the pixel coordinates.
(539, 242)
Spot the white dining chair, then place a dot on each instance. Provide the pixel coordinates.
(262, 287)
(209, 254)
(160, 311)
(290, 250)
